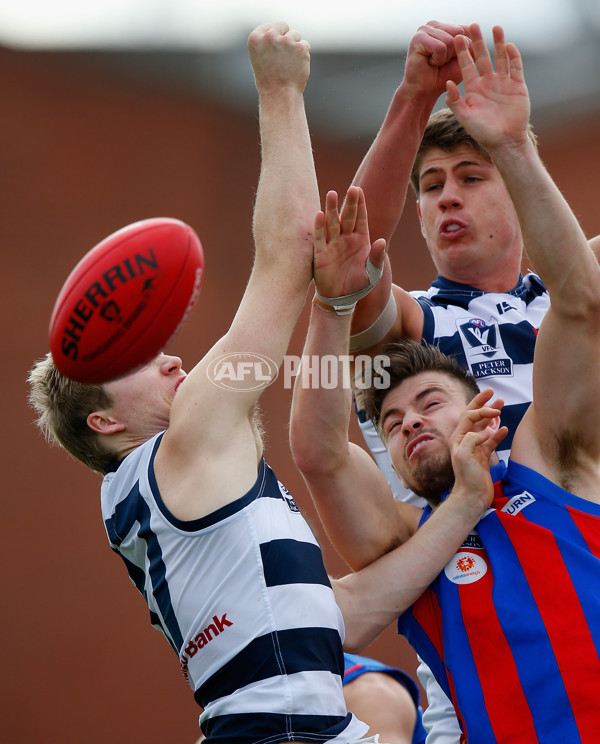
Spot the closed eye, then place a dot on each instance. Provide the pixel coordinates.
(392, 425)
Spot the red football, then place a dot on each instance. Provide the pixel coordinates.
(126, 299)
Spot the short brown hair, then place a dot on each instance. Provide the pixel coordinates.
(444, 132)
(63, 406)
(408, 358)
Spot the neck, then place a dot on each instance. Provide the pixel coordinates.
(494, 283)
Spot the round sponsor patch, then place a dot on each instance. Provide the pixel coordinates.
(466, 567)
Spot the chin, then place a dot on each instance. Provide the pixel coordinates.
(431, 480)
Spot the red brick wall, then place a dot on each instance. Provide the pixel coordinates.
(82, 154)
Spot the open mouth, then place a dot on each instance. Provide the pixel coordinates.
(416, 444)
(451, 229)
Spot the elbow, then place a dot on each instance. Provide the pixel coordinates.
(360, 627)
(313, 458)
(302, 447)
(353, 644)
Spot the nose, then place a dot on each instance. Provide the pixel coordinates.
(449, 196)
(169, 364)
(411, 423)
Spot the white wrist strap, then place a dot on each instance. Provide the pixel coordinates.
(345, 304)
(377, 330)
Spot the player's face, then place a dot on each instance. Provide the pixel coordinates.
(418, 419)
(143, 398)
(468, 219)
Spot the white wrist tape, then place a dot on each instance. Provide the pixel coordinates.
(377, 330)
(345, 304)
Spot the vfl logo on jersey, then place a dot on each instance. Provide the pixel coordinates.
(484, 351)
(517, 503)
(289, 499)
(465, 568)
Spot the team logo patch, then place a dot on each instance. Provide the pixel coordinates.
(289, 499)
(483, 347)
(465, 568)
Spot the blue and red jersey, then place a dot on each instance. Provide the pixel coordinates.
(511, 627)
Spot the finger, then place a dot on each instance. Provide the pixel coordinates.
(477, 414)
(476, 421)
(516, 63)
(362, 220)
(453, 99)
(306, 45)
(500, 54)
(350, 210)
(435, 44)
(377, 254)
(281, 26)
(481, 398)
(440, 41)
(466, 61)
(480, 50)
(449, 28)
(490, 439)
(319, 241)
(332, 217)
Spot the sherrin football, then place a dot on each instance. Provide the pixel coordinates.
(126, 299)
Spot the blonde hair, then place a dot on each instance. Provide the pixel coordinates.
(62, 407)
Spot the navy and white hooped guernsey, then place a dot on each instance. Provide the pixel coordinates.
(243, 598)
(490, 334)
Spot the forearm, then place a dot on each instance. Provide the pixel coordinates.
(320, 415)
(373, 597)
(287, 196)
(384, 174)
(555, 242)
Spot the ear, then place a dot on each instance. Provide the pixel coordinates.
(494, 424)
(103, 423)
(420, 219)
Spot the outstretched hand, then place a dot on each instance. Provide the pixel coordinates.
(475, 439)
(342, 245)
(495, 108)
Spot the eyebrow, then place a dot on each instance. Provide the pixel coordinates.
(462, 164)
(418, 398)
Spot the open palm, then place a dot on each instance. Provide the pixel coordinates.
(342, 246)
(495, 107)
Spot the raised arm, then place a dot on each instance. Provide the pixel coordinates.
(373, 597)
(211, 428)
(350, 493)
(384, 173)
(560, 430)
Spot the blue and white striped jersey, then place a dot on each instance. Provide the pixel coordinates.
(244, 599)
(490, 334)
